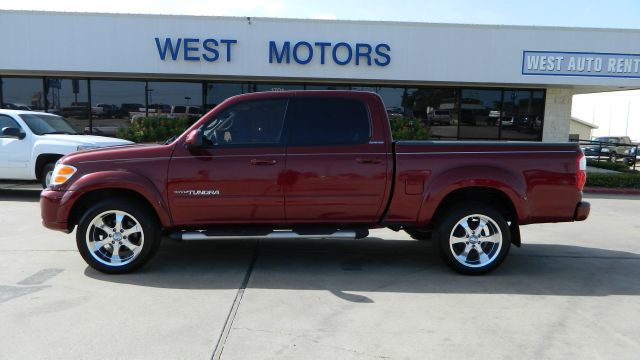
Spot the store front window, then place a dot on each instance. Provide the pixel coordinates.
(114, 102)
(219, 92)
(326, 87)
(68, 98)
(447, 113)
(480, 114)
(278, 87)
(22, 93)
(523, 112)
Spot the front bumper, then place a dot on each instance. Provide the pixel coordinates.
(52, 210)
(582, 211)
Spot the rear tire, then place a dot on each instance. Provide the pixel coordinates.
(473, 238)
(117, 236)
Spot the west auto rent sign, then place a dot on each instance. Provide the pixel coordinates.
(560, 63)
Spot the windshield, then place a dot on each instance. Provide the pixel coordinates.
(48, 124)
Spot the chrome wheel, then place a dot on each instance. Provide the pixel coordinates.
(47, 178)
(475, 241)
(114, 238)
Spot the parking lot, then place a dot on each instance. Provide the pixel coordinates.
(571, 291)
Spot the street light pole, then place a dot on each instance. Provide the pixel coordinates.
(626, 130)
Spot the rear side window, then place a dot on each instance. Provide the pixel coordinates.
(327, 121)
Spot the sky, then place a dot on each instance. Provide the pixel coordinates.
(608, 110)
(582, 13)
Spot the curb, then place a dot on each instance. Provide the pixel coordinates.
(602, 190)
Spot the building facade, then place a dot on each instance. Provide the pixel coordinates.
(461, 81)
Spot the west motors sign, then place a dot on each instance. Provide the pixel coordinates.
(561, 63)
(286, 52)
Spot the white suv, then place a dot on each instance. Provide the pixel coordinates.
(31, 143)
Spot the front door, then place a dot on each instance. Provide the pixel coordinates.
(235, 176)
(15, 153)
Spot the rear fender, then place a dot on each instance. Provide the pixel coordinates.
(495, 178)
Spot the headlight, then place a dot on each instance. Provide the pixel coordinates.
(605, 149)
(62, 173)
(86, 147)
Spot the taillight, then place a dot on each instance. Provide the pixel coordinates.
(581, 171)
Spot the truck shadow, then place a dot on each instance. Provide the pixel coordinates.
(25, 195)
(346, 268)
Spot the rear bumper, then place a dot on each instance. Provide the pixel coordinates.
(582, 211)
(51, 210)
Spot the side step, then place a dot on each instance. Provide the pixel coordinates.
(349, 234)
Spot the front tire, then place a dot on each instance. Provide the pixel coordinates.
(474, 238)
(45, 175)
(117, 236)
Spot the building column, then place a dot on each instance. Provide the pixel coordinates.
(557, 115)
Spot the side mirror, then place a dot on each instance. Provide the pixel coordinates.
(194, 139)
(13, 132)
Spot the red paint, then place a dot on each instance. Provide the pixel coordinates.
(337, 185)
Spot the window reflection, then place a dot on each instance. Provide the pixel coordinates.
(278, 87)
(480, 114)
(218, 92)
(114, 103)
(448, 113)
(522, 115)
(68, 98)
(22, 93)
(327, 87)
(437, 108)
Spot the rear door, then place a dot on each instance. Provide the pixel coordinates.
(235, 176)
(336, 168)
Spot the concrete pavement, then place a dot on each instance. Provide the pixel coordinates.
(572, 291)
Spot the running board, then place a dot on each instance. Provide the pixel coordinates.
(274, 234)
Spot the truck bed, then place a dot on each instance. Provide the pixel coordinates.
(539, 178)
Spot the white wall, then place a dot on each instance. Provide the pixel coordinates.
(557, 115)
(435, 53)
(583, 131)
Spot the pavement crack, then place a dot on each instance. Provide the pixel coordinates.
(219, 348)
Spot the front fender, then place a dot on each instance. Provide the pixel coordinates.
(119, 179)
(514, 187)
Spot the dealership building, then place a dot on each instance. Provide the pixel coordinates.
(462, 81)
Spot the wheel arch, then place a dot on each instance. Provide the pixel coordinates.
(115, 183)
(42, 160)
(485, 195)
(481, 181)
(88, 199)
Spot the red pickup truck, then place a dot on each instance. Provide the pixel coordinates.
(310, 164)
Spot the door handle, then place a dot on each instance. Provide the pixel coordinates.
(262, 162)
(368, 161)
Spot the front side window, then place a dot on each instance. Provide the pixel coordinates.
(328, 121)
(256, 122)
(7, 121)
(48, 124)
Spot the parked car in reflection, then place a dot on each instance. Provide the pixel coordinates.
(127, 108)
(105, 110)
(189, 111)
(77, 109)
(439, 117)
(394, 112)
(16, 106)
